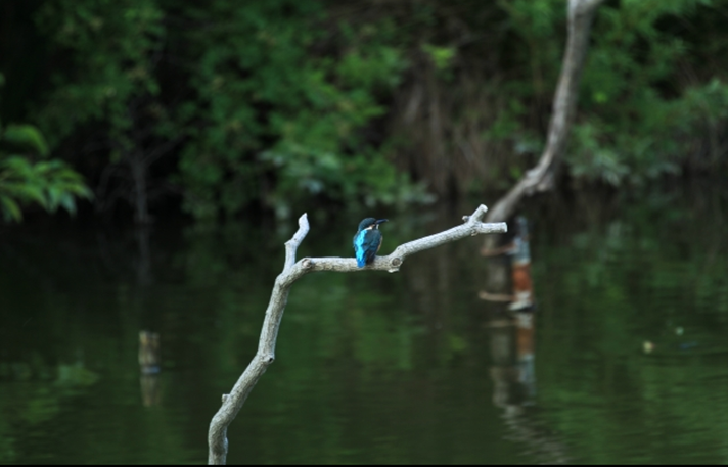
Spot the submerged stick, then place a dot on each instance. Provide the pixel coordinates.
(292, 271)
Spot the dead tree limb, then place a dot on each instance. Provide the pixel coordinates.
(292, 271)
(580, 14)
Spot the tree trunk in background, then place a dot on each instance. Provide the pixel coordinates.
(580, 14)
(139, 176)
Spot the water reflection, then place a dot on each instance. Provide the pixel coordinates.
(518, 267)
(512, 338)
(512, 328)
(375, 367)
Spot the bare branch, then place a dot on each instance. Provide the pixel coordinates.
(295, 241)
(292, 270)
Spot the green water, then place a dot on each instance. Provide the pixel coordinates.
(372, 367)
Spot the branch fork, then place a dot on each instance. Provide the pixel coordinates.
(292, 271)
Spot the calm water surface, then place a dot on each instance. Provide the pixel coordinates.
(375, 368)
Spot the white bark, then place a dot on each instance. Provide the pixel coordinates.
(292, 271)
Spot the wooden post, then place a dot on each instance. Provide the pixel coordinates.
(150, 366)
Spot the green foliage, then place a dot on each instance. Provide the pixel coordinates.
(112, 45)
(638, 125)
(281, 102)
(442, 57)
(270, 107)
(50, 183)
(644, 110)
(27, 137)
(264, 115)
(706, 104)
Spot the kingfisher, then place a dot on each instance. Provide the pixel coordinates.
(367, 241)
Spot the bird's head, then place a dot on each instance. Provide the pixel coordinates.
(370, 223)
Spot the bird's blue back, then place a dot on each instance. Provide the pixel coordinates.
(366, 244)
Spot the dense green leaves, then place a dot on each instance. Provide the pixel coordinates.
(25, 136)
(48, 182)
(267, 105)
(112, 45)
(283, 102)
(640, 121)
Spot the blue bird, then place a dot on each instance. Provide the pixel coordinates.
(367, 241)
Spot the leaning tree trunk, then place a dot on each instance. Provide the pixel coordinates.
(580, 14)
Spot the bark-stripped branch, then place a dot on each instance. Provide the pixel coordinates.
(292, 271)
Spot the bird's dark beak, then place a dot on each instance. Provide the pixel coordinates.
(381, 221)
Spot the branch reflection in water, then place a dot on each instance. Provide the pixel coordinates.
(512, 337)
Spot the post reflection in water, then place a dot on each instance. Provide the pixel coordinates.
(150, 367)
(512, 337)
(512, 327)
